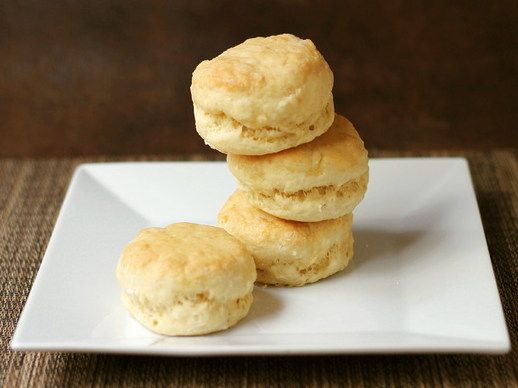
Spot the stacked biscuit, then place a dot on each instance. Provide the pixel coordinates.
(301, 168)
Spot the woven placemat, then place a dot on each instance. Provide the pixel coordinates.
(31, 192)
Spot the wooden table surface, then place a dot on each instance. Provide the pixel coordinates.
(112, 77)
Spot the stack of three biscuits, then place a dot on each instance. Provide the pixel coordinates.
(301, 168)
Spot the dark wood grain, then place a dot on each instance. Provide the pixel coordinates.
(112, 77)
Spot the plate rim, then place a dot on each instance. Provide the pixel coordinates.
(467, 347)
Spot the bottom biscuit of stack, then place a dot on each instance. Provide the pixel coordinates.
(288, 253)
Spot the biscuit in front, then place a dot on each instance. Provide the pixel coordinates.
(263, 95)
(288, 253)
(316, 181)
(186, 279)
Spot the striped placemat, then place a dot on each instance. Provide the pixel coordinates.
(31, 192)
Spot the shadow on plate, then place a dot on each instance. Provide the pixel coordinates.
(265, 303)
(377, 249)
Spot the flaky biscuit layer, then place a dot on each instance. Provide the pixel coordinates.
(323, 179)
(263, 95)
(186, 279)
(288, 252)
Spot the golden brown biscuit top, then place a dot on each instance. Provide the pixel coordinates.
(183, 255)
(331, 159)
(281, 61)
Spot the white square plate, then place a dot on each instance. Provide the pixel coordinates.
(421, 279)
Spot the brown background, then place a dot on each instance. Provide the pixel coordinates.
(112, 77)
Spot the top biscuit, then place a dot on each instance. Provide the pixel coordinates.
(263, 96)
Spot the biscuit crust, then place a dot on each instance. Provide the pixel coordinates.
(323, 179)
(263, 95)
(186, 279)
(288, 253)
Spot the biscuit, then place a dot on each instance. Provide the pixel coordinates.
(315, 181)
(186, 279)
(263, 95)
(288, 253)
